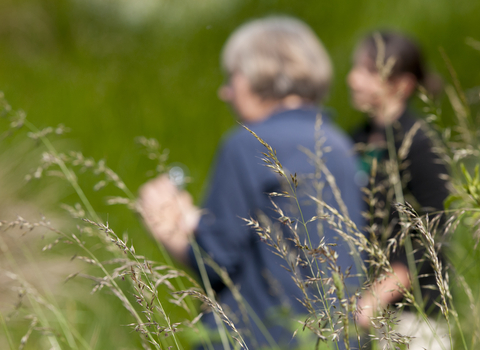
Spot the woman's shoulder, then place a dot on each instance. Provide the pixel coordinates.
(360, 133)
(415, 131)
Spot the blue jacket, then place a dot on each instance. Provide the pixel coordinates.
(240, 188)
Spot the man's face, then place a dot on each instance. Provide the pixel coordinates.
(238, 93)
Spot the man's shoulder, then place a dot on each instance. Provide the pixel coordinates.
(288, 131)
(239, 137)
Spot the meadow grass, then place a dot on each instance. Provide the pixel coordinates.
(148, 290)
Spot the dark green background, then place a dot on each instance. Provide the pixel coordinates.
(111, 76)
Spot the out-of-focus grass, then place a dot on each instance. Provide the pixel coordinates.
(111, 79)
(95, 317)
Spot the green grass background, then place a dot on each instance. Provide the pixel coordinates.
(113, 70)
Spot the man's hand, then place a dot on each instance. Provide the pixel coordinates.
(169, 214)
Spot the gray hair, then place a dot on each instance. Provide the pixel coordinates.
(279, 56)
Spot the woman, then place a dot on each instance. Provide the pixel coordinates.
(388, 67)
(278, 72)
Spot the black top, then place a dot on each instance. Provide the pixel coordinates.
(422, 184)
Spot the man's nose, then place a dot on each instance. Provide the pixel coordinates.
(225, 93)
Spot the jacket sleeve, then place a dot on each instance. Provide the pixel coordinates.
(222, 233)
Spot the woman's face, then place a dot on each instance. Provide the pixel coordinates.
(368, 90)
(383, 98)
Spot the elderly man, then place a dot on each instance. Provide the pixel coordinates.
(278, 72)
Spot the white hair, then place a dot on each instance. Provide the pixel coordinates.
(279, 56)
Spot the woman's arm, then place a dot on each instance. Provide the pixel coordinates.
(382, 293)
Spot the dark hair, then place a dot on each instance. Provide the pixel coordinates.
(407, 55)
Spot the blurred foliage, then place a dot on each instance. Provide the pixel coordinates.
(112, 70)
